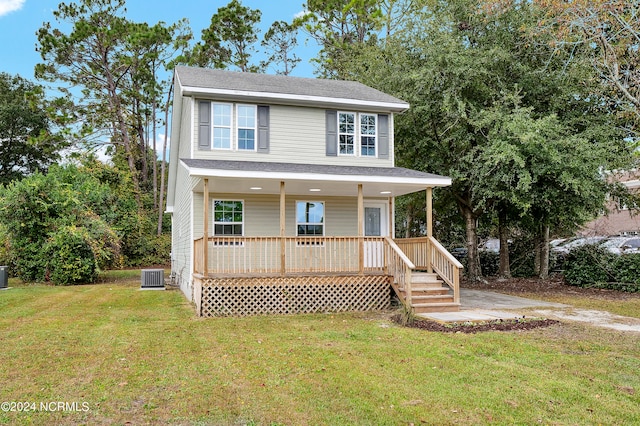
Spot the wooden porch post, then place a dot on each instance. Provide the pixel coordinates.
(205, 230)
(429, 226)
(360, 230)
(283, 259)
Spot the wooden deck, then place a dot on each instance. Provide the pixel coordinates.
(260, 275)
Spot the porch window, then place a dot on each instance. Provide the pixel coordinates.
(310, 218)
(346, 133)
(368, 135)
(228, 218)
(221, 126)
(246, 127)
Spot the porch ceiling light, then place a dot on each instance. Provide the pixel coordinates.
(255, 188)
(385, 192)
(315, 190)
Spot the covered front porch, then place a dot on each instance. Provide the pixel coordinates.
(284, 273)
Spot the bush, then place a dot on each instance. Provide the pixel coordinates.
(592, 266)
(70, 258)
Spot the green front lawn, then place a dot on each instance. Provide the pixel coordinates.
(143, 357)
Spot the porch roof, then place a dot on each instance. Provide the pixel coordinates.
(301, 179)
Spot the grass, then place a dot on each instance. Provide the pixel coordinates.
(142, 357)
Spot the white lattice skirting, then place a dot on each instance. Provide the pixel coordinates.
(290, 295)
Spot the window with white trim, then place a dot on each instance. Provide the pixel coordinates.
(346, 133)
(228, 218)
(309, 218)
(246, 127)
(368, 128)
(221, 125)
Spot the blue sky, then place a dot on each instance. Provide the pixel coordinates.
(20, 19)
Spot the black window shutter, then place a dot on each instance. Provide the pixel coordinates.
(263, 128)
(332, 133)
(204, 125)
(383, 136)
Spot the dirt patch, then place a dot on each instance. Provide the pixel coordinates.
(554, 285)
(468, 327)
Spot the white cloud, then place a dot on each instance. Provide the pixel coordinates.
(297, 15)
(8, 6)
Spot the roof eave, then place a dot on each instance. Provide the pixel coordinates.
(292, 99)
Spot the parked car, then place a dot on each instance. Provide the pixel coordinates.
(571, 243)
(622, 245)
(491, 245)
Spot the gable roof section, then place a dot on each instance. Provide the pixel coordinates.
(286, 90)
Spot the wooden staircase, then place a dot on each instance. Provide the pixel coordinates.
(429, 294)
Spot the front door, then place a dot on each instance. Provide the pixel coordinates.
(376, 224)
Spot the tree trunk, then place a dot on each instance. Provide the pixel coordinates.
(474, 272)
(544, 252)
(503, 231)
(116, 105)
(155, 154)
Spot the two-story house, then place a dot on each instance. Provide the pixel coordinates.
(281, 191)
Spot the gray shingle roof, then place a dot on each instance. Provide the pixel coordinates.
(254, 166)
(282, 85)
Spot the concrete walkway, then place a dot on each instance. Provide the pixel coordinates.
(484, 305)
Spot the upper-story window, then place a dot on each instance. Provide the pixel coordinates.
(346, 132)
(222, 126)
(246, 127)
(368, 135)
(236, 127)
(357, 134)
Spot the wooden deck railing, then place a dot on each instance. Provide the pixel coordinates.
(329, 255)
(290, 255)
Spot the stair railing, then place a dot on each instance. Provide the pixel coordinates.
(400, 267)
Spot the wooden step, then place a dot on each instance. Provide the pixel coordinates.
(426, 291)
(424, 278)
(440, 298)
(424, 308)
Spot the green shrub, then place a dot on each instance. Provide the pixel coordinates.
(592, 266)
(70, 257)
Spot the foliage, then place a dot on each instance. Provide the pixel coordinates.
(114, 62)
(230, 38)
(28, 143)
(69, 224)
(280, 40)
(523, 135)
(593, 266)
(607, 31)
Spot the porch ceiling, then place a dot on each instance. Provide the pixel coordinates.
(301, 179)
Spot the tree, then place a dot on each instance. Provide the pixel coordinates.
(341, 28)
(108, 66)
(27, 140)
(608, 31)
(477, 84)
(280, 40)
(229, 39)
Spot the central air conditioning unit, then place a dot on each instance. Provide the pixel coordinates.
(152, 279)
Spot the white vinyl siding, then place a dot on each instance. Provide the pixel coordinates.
(296, 135)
